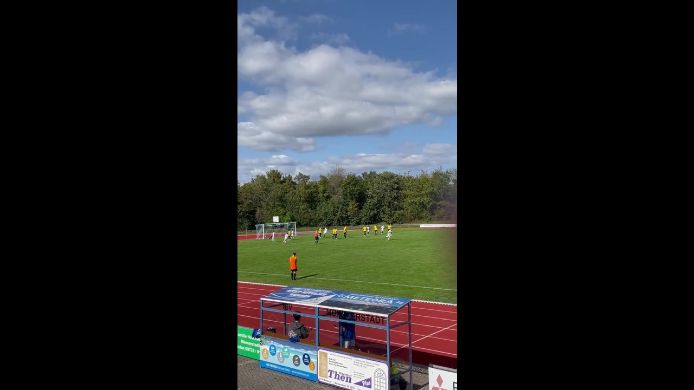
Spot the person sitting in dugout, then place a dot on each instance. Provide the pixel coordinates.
(297, 330)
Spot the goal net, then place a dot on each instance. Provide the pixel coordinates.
(264, 230)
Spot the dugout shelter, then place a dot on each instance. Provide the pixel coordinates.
(318, 358)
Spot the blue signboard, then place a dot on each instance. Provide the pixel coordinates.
(289, 358)
(339, 299)
(362, 302)
(299, 295)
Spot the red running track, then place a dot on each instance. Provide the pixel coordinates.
(434, 327)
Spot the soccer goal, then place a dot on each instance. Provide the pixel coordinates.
(265, 230)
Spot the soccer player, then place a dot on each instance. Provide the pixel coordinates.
(286, 235)
(390, 234)
(292, 265)
(382, 229)
(273, 236)
(316, 236)
(335, 233)
(325, 231)
(344, 231)
(368, 229)
(375, 230)
(363, 230)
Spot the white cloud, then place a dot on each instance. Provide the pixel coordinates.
(264, 17)
(327, 91)
(430, 157)
(440, 149)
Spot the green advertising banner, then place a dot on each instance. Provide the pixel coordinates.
(246, 345)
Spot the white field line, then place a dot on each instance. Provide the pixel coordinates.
(392, 331)
(437, 303)
(425, 337)
(261, 284)
(357, 281)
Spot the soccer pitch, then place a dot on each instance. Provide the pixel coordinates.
(415, 263)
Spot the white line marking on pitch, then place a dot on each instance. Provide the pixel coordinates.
(358, 281)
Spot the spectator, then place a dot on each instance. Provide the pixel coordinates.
(297, 330)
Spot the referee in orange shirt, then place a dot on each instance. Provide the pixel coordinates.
(292, 265)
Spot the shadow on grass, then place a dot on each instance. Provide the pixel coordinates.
(307, 276)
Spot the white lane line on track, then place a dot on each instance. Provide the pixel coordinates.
(392, 331)
(277, 285)
(393, 317)
(425, 337)
(356, 281)
(391, 342)
(413, 307)
(243, 306)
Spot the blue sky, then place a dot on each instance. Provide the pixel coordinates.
(364, 85)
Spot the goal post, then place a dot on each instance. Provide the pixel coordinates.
(265, 230)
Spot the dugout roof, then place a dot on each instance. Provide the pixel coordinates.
(338, 300)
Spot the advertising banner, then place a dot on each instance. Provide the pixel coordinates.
(289, 358)
(298, 295)
(351, 372)
(442, 378)
(336, 299)
(246, 345)
(363, 302)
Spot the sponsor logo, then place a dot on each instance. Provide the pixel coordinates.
(364, 383)
(312, 366)
(306, 359)
(265, 354)
(358, 316)
(340, 376)
(273, 350)
(439, 381)
(296, 360)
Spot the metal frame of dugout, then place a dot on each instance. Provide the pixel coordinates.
(344, 301)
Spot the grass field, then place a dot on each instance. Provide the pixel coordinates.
(415, 263)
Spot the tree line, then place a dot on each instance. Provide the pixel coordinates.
(340, 199)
